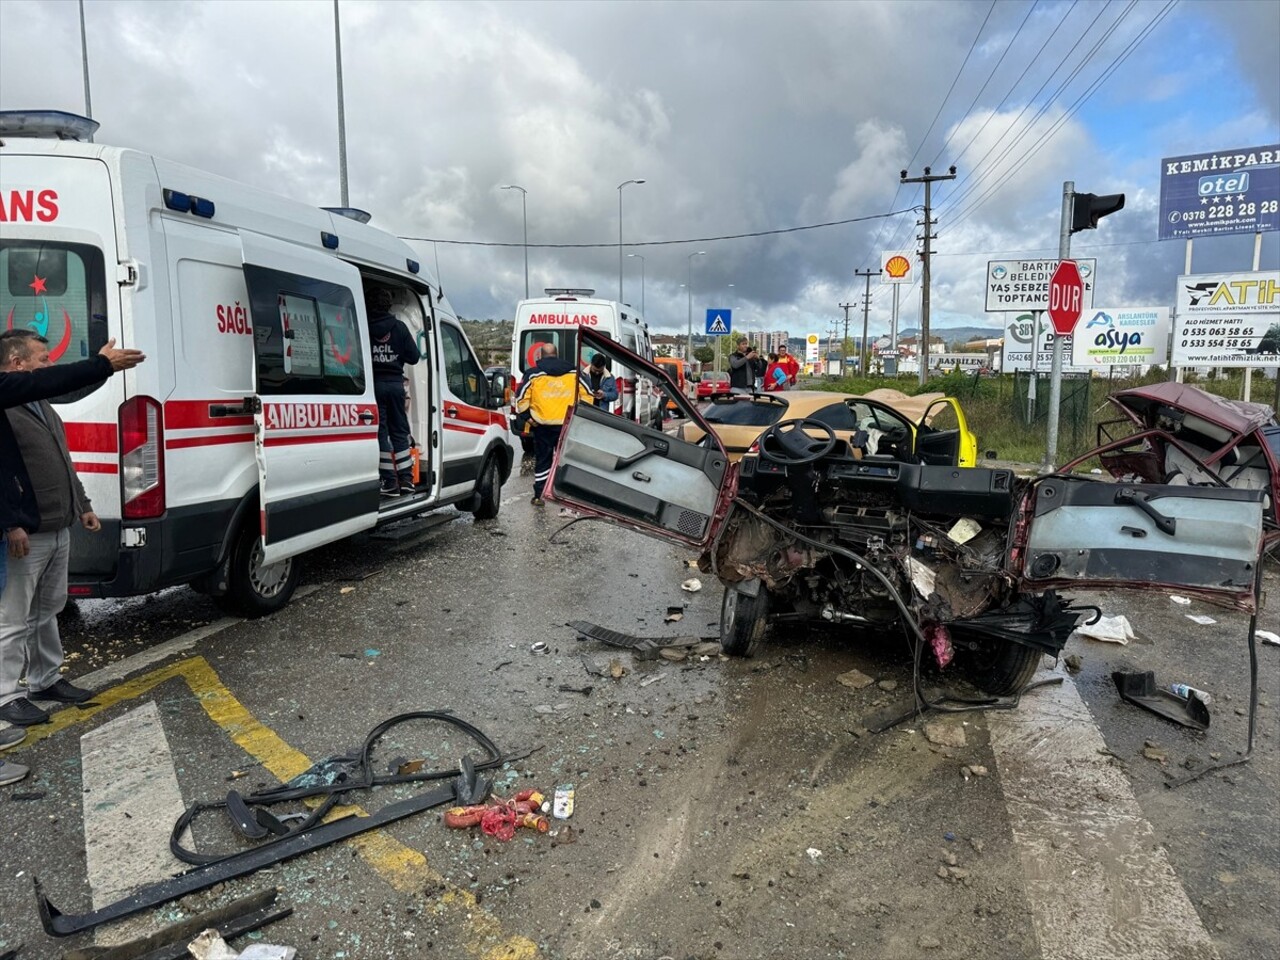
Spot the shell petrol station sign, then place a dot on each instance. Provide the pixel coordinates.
(811, 352)
(897, 266)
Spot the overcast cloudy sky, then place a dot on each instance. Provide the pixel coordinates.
(741, 117)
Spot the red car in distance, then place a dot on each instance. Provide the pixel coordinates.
(713, 383)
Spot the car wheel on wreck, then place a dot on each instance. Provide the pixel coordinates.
(744, 620)
(1001, 667)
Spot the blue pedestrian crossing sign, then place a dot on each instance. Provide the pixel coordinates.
(719, 323)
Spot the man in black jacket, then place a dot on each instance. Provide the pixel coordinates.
(393, 347)
(742, 367)
(18, 510)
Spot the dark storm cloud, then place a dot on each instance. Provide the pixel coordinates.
(742, 117)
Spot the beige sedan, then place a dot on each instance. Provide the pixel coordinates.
(893, 422)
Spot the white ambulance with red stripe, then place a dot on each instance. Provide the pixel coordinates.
(250, 434)
(555, 319)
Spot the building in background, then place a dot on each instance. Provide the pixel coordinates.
(770, 340)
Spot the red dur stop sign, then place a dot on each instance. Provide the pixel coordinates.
(1066, 297)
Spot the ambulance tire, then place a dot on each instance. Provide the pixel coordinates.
(255, 589)
(487, 500)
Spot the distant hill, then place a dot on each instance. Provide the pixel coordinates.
(957, 333)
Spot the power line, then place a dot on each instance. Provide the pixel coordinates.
(974, 183)
(977, 96)
(973, 46)
(666, 243)
(1030, 63)
(1074, 108)
(923, 140)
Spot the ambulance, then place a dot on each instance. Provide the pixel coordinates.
(555, 319)
(250, 434)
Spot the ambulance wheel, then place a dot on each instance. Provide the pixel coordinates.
(254, 588)
(743, 621)
(487, 500)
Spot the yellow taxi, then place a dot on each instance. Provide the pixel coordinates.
(928, 428)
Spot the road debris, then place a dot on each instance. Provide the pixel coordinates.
(692, 585)
(944, 734)
(1108, 629)
(540, 647)
(1201, 619)
(1140, 689)
(653, 679)
(1073, 662)
(1181, 601)
(1267, 637)
(562, 802)
(855, 679)
(499, 818)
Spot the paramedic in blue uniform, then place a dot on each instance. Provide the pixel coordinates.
(393, 347)
(19, 516)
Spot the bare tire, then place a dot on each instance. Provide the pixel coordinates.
(743, 621)
(255, 589)
(1002, 668)
(487, 500)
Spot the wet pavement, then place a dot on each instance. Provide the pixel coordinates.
(724, 808)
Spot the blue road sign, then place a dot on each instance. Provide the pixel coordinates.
(719, 323)
(1210, 194)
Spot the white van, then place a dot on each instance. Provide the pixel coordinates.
(555, 319)
(250, 434)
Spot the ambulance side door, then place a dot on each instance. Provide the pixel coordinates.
(464, 397)
(316, 419)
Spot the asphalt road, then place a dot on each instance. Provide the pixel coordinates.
(724, 808)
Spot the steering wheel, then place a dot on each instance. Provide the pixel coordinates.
(792, 444)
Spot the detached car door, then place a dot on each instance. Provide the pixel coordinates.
(316, 423)
(1203, 541)
(610, 467)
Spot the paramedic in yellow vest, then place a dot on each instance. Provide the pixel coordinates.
(550, 389)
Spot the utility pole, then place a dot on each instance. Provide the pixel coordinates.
(863, 361)
(844, 360)
(342, 111)
(925, 252)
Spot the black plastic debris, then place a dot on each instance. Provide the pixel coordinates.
(1140, 689)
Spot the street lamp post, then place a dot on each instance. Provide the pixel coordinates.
(620, 186)
(524, 216)
(689, 288)
(641, 259)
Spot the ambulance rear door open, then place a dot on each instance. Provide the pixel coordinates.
(316, 418)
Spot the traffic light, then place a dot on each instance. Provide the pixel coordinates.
(1088, 208)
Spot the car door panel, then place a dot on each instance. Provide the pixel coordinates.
(639, 477)
(1202, 540)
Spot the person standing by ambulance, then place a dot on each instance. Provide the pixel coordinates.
(551, 388)
(393, 347)
(18, 510)
(38, 561)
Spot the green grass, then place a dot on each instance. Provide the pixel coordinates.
(995, 407)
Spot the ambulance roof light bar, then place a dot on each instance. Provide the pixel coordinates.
(568, 292)
(47, 125)
(351, 213)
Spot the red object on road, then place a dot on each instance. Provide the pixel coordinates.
(1066, 297)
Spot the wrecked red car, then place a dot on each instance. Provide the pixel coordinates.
(1177, 434)
(968, 562)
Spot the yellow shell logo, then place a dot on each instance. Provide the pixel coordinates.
(897, 266)
(813, 338)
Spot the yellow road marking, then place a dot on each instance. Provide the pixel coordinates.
(404, 868)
